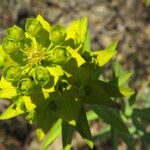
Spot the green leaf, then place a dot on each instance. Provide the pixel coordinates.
(67, 135)
(76, 56)
(103, 56)
(112, 46)
(44, 23)
(87, 42)
(6, 89)
(83, 128)
(126, 91)
(13, 110)
(5, 58)
(104, 132)
(77, 30)
(111, 89)
(110, 116)
(68, 107)
(44, 119)
(91, 115)
(93, 93)
(120, 74)
(142, 113)
(54, 132)
(128, 139)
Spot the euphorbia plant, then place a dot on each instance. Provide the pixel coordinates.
(50, 74)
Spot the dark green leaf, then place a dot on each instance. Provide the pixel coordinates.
(54, 132)
(67, 134)
(111, 116)
(83, 128)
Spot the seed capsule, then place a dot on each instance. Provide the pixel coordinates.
(33, 27)
(12, 73)
(16, 33)
(57, 34)
(42, 75)
(10, 46)
(24, 86)
(58, 55)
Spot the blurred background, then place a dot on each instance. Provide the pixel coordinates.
(125, 20)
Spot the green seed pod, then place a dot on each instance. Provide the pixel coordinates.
(33, 27)
(24, 86)
(12, 73)
(57, 34)
(10, 46)
(58, 55)
(42, 75)
(16, 33)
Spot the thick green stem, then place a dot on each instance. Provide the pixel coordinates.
(114, 139)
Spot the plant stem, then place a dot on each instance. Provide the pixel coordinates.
(114, 138)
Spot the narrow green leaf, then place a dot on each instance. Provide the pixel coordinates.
(83, 128)
(67, 135)
(54, 132)
(112, 46)
(91, 115)
(110, 116)
(103, 56)
(142, 113)
(44, 119)
(77, 30)
(104, 132)
(87, 42)
(120, 74)
(13, 110)
(126, 91)
(76, 56)
(44, 23)
(128, 139)
(111, 89)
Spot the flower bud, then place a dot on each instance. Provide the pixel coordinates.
(42, 75)
(33, 27)
(57, 34)
(58, 55)
(10, 46)
(24, 86)
(12, 73)
(16, 33)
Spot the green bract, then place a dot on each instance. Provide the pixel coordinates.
(24, 86)
(57, 34)
(15, 33)
(50, 73)
(58, 55)
(41, 75)
(10, 46)
(12, 73)
(33, 27)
